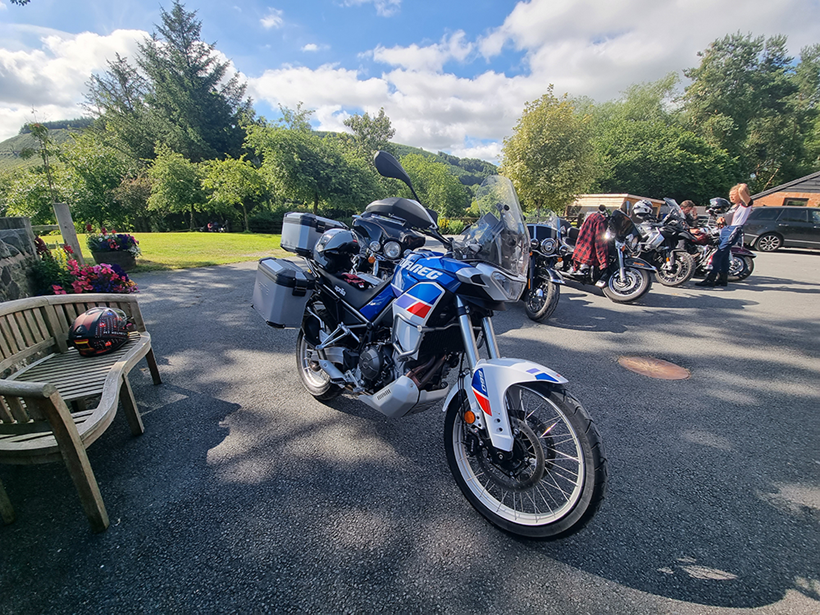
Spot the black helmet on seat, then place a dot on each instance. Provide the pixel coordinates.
(335, 250)
(99, 330)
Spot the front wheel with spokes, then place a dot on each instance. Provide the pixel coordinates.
(550, 484)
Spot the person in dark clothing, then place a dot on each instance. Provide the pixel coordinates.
(690, 211)
(719, 275)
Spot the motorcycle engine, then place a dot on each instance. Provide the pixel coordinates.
(370, 363)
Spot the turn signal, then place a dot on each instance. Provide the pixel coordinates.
(371, 259)
(469, 417)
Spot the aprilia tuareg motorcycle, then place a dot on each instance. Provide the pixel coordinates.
(523, 450)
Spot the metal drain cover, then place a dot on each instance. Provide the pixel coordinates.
(654, 368)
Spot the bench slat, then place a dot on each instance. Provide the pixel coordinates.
(32, 328)
(5, 413)
(9, 328)
(17, 410)
(5, 349)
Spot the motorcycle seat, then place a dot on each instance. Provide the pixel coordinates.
(356, 297)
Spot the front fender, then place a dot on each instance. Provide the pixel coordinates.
(638, 263)
(488, 387)
(552, 274)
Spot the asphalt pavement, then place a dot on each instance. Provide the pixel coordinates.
(245, 495)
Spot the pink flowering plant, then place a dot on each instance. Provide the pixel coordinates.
(111, 240)
(61, 274)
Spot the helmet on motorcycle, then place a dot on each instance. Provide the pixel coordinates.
(99, 330)
(335, 250)
(719, 205)
(642, 209)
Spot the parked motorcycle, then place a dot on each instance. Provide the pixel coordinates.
(702, 246)
(385, 236)
(626, 277)
(661, 243)
(523, 451)
(543, 281)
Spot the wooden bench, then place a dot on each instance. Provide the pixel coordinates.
(40, 374)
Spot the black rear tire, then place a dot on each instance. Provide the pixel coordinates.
(313, 378)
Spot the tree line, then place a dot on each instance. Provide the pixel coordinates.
(175, 142)
(749, 114)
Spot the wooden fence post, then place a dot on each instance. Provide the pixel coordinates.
(63, 214)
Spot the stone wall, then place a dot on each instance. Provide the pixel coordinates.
(17, 256)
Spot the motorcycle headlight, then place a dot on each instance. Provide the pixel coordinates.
(548, 246)
(509, 287)
(374, 246)
(392, 250)
(633, 243)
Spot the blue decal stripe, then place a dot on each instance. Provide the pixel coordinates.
(405, 301)
(377, 304)
(426, 292)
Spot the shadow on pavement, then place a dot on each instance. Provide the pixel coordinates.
(245, 494)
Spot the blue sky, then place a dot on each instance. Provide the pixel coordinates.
(452, 75)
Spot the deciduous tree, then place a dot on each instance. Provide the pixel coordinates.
(550, 156)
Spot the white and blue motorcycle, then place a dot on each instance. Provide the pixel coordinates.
(523, 451)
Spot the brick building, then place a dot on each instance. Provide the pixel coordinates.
(803, 192)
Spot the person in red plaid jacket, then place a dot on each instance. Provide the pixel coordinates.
(591, 247)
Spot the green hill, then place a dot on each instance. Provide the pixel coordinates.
(470, 171)
(10, 148)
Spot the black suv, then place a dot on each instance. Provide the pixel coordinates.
(770, 228)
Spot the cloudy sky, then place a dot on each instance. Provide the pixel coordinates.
(452, 75)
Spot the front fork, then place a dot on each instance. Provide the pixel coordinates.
(468, 336)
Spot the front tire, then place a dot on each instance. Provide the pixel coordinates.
(635, 284)
(540, 307)
(553, 482)
(313, 378)
(681, 273)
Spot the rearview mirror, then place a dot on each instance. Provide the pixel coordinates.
(388, 166)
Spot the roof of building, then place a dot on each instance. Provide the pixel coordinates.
(809, 183)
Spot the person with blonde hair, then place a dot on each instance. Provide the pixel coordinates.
(742, 205)
(730, 234)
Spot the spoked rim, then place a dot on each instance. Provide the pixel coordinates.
(313, 375)
(626, 285)
(680, 274)
(534, 302)
(768, 243)
(548, 483)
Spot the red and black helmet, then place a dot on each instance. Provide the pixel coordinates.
(99, 330)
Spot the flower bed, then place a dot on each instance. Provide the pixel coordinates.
(61, 274)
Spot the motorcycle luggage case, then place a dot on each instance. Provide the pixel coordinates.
(301, 231)
(281, 291)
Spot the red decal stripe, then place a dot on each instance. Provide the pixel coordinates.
(483, 402)
(419, 309)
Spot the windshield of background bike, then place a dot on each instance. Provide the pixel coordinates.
(674, 210)
(499, 236)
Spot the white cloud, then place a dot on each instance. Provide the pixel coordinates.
(51, 79)
(593, 48)
(431, 57)
(385, 8)
(273, 19)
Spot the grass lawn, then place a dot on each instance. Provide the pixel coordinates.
(184, 250)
